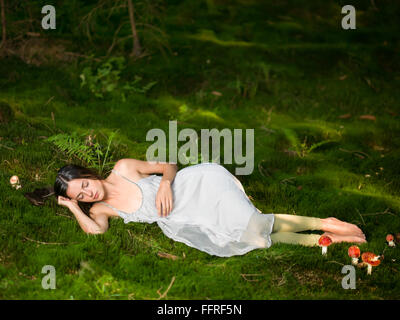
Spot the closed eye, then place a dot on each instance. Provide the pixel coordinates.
(87, 184)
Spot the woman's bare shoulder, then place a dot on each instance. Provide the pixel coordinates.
(98, 209)
(128, 169)
(120, 164)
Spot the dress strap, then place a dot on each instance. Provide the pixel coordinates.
(117, 173)
(109, 205)
(140, 188)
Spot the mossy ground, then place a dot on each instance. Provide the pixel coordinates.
(287, 70)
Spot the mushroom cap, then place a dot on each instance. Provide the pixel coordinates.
(14, 180)
(368, 257)
(389, 237)
(324, 241)
(354, 252)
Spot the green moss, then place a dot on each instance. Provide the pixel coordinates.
(279, 70)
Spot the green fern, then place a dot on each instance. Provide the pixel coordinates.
(106, 79)
(302, 148)
(321, 143)
(294, 141)
(72, 145)
(90, 153)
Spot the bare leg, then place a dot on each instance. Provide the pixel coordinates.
(311, 240)
(295, 223)
(308, 240)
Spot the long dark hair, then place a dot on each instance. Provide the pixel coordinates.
(68, 173)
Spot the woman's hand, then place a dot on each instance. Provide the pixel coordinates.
(63, 201)
(164, 198)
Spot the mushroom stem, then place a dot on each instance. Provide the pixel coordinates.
(391, 244)
(369, 270)
(354, 261)
(324, 250)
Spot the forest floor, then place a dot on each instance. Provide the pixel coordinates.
(324, 106)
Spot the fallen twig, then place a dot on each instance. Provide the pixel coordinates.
(361, 217)
(336, 262)
(287, 180)
(130, 233)
(355, 152)
(267, 129)
(26, 276)
(388, 183)
(81, 55)
(264, 172)
(166, 291)
(9, 148)
(167, 255)
(42, 242)
(282, 281)
(251, 275)
(145, 242)
(377, 213)
(48, 101)
(64, 215)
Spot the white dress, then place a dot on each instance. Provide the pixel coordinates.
(211, 211)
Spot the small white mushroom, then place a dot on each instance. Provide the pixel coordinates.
(324, 242)
(390, 240)
(14, 180)
(371, 259)
(354, 253)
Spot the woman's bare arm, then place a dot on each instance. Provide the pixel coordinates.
(88, 225)
(133, 166)
(164, 198)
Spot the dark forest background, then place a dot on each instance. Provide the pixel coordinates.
(323, 101)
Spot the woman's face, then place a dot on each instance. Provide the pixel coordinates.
(85, 190)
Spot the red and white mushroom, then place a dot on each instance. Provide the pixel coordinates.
(371, 259)
(324, 242)
(354, 253)
(390, 240)
(14, 180)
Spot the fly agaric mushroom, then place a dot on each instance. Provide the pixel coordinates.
(324, 242)
(389, 239)
(371, 259)
(354, 253)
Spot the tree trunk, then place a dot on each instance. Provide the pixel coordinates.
(136, 51)
(3, 24)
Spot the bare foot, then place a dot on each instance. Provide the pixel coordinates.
(338, 227)
(344, 238)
